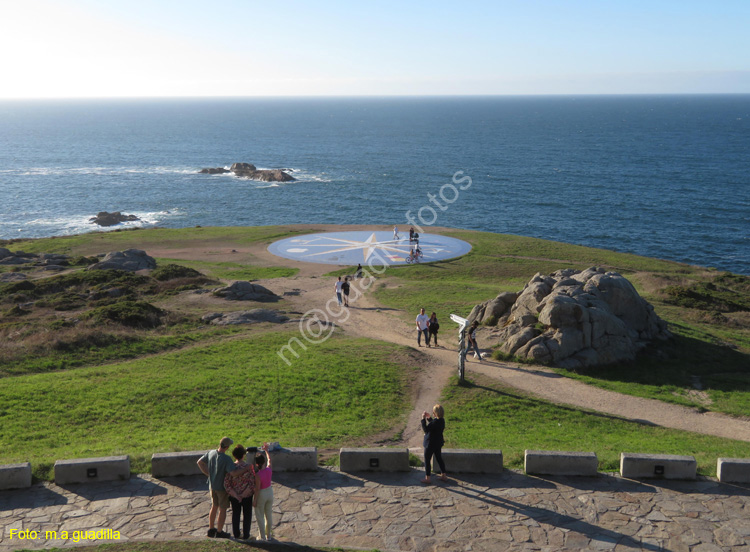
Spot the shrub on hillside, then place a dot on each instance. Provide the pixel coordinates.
(84, 261)
(725, 293)
(134, 314)
(174, 271)
(16, 311)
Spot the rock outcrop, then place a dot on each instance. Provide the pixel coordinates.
(237, 168)
(573, 319)
(246, 291)
(244, 317)
(103, 218)
(490, 311)
(217, 170)
(12, 277)
(130, 259)
(248, 170)
(18, 258)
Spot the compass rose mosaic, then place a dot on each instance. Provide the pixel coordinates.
(368, 247)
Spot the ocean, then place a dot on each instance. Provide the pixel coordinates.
(661, 176)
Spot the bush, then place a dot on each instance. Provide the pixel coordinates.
(16, 311)
(707, 296)
(84, 261)
(174, 271)
(15, 287)
(135, 314)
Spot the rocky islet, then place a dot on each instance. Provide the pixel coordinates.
(248, 170)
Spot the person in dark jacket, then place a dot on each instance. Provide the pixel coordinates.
(433, 428)
(433, 327)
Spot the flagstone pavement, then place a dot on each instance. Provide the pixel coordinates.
(395, 512)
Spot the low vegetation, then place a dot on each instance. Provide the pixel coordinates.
(725, 292)
(484, 414)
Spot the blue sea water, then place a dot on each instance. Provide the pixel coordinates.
(662, 176)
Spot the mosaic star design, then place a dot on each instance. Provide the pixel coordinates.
(376, 248)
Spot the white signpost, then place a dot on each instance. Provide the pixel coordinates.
(462, 323)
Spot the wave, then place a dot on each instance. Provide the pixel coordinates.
(78, 224)
(304, 175)
(100, 171)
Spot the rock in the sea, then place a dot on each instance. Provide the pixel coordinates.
(572, 319)
(242, 167)
(216, 170)
(270, 176)
(246, 291)
(245, 317)
(246, 170)
(130, 259)
(103, 218)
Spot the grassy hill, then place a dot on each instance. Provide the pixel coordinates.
(111, 363)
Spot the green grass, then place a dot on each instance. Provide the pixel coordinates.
(497, 263)
(143, 238)
(485, 414)
(235, 271)
(505, 263)
(723, 373)
(337, 391)
(75, 351)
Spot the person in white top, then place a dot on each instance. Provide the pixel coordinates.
(339, 287)
(395, 233)
(423, 324)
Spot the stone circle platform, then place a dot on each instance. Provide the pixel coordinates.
(394, 512)
(374, 248)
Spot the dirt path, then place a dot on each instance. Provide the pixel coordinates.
(365, 318)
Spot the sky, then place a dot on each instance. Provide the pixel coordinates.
(191, 48)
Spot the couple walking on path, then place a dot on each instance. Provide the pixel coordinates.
(342, 290)
(427, 326)
(241, 484)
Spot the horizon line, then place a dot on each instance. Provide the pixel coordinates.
(376, 96)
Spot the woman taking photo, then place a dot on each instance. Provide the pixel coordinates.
(433, 428)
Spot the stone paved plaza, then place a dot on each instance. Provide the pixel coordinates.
(511, 511)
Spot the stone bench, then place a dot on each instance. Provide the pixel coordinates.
(552, 462)
(733, 470)
(374, 459)
(169, 464)
(86, 470)
(15, 476)
(292, 459)
(657, 466)
(471, 461)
